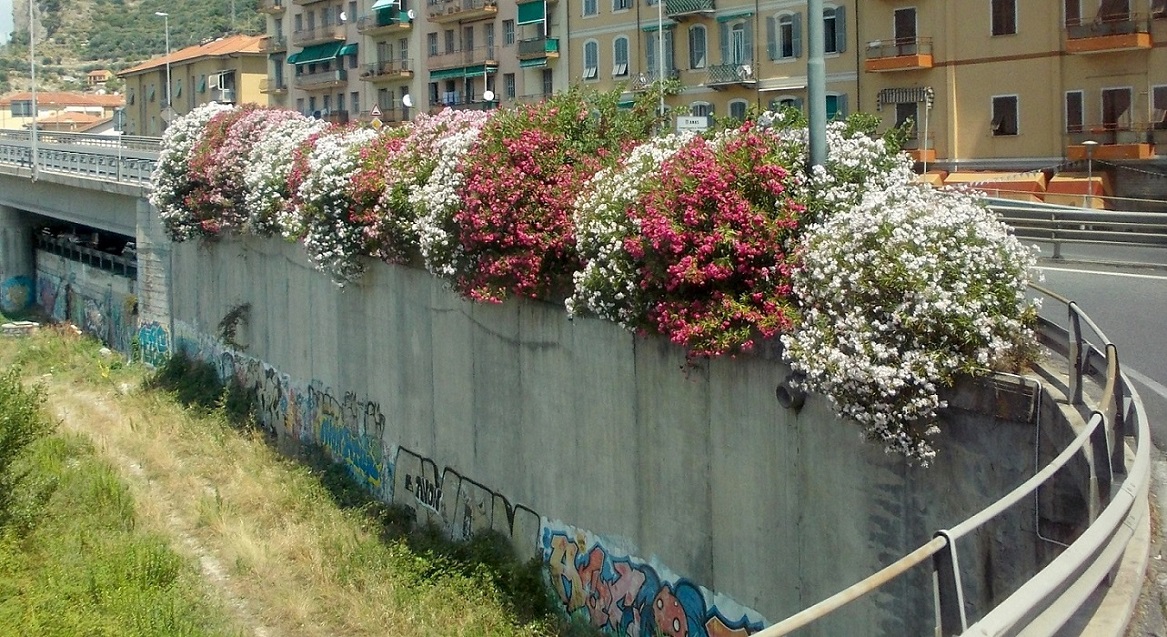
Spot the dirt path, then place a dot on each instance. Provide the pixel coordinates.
(99, 417)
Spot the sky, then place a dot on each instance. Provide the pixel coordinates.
(5, 20)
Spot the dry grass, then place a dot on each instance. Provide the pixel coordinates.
(266, 532)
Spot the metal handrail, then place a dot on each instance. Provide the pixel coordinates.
(1094, 552)
(1070, 224)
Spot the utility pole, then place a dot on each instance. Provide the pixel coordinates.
(32, 71)
(816, 84)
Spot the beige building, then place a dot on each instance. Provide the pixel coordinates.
(16, 108)
(228, 70)
(1020, 84)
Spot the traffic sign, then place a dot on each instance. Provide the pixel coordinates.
(376, 123)
(376, 112)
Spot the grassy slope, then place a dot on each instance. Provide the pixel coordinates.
(269, 533)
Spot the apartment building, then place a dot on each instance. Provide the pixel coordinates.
(1016, 84)
(16, 108)
(728, 55)
(227, 70)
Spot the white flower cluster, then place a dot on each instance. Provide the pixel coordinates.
(268, 203)
(438, 199)
(333, 242)
(607, 286)
(899, 294)
(171, 174)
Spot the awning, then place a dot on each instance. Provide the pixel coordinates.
(348, 49)
(625, 103)
(792, 83)
(533, 64)
(735, 16)
(649, 28)
(383, 4)
(316, 53)
(532, 12)
(445, 74)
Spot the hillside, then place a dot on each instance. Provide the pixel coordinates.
(81, 35)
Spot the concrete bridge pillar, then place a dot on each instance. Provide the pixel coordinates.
(155, 327)
(17, 265)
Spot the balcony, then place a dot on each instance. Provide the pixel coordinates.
(321, 80)
(726, 75)
(921, 150)
(680, 9)
(273, 85)
(645, 80)
(384, 22)
(1107, 34)
(335, 117)
(389, 115)
(387, 71)
(903, 54)
(1115, 141)
(469, 57)
(444, 11)
(305, 2)
(538, 48)
(274, 7)
(318, 35)
(273, 44)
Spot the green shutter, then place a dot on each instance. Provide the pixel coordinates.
(202, 83)
(724, 41)
(840, 29)
(532, 12)
(772, 37)
(796, 35)
(749, 35)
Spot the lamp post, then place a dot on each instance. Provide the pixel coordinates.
(816, 84)
(1088, 198)
(166, 20)
(660, 57)
(32, 71)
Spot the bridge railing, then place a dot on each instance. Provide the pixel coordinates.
(1050, 598)
(1067, 224)
(121, 159)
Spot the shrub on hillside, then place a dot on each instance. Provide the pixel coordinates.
(22, 422)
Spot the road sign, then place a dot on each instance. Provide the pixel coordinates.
(376, 112)
(376, 123)
(692, 123)
(169, 115)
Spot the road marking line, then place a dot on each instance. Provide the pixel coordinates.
(1123, 274)
(1146, 381)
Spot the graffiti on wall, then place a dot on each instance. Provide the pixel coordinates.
(49, 297)
(153, 343)
(626, 596)
(107, 315)
(595, 579)
(16, 293)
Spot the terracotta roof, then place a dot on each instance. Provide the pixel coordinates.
(57, 98)
(69, 118)
(215, 48)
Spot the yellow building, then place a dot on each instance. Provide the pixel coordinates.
(228, 70)
(1018, 84)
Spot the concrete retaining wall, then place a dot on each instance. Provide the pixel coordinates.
(101, 303)
(653, 492)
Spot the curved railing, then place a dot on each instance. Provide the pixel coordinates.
(1050, 598)
(123, 159)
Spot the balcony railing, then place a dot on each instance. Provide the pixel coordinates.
(1113, 140)
(1115, 32)
(273, 85)
(921, 148)
(387, 70)
(900, 54)
(683, 8)
(728, 74)
(274, 7)
(461, 10)
(468, 57)
(536, 48)
(386, 21)
(321, 79)
(389, 115)
(274, 44)
(319, 34)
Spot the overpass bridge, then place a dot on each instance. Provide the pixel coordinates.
(101, 185)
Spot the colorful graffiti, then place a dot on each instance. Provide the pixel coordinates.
(49, 297)
(16, 293)
(625, 596)
(153, 343)
(105, 314)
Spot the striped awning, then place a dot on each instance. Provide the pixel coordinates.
(536, 63)
(905, 95)
(383, 4)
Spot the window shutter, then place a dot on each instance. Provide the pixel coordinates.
(749, 52)
(841, 106)
(796, 35)
(840, 29)
(724, 40)
(798, 103)
(771, 38)
(650, 52)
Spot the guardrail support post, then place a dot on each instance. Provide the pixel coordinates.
(1101, 474)
(1053, 235)
(949, 592)
(1075, 355)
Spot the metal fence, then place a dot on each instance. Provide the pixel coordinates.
(1068, 224)
(122, 159)
(1117, 503)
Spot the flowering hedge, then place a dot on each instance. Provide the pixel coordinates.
(883, 291)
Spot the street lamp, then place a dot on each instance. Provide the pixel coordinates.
(166, 20)
(32, 71)
(1089, 145)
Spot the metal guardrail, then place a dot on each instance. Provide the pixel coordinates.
(122, 159)
(1050, 598)
(1068, 224)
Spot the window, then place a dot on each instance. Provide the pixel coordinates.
(508, 82)
(620, 57)
(384, 52)
(1074, 112)
(434, 94)
(700, 109)
(352, 61)
(299, 20)
(352, 13)
(548, 86)
(449, 40)
(1159, 107)
(150, 93)
(508, 32)
(834, 29)
(737, 109)
(1005, 115)
(488, 31)
(1004, 17)
(432, 43)
(1116, 108)
(737, 44)
(836, 106)
(621, 5)
(783, 103)
(905, 28)
(591, 7)
(328, 103)
(784, 36)
(907, 113)
(468, 38)
(591, 60)
(384, 99)
(300, 106)
(326, 19)
(1073, 10)
(23, 108)
(178, 87)
(403, 46)
(697, 47)
(652, 47)
(340, 102)
(354, 99)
